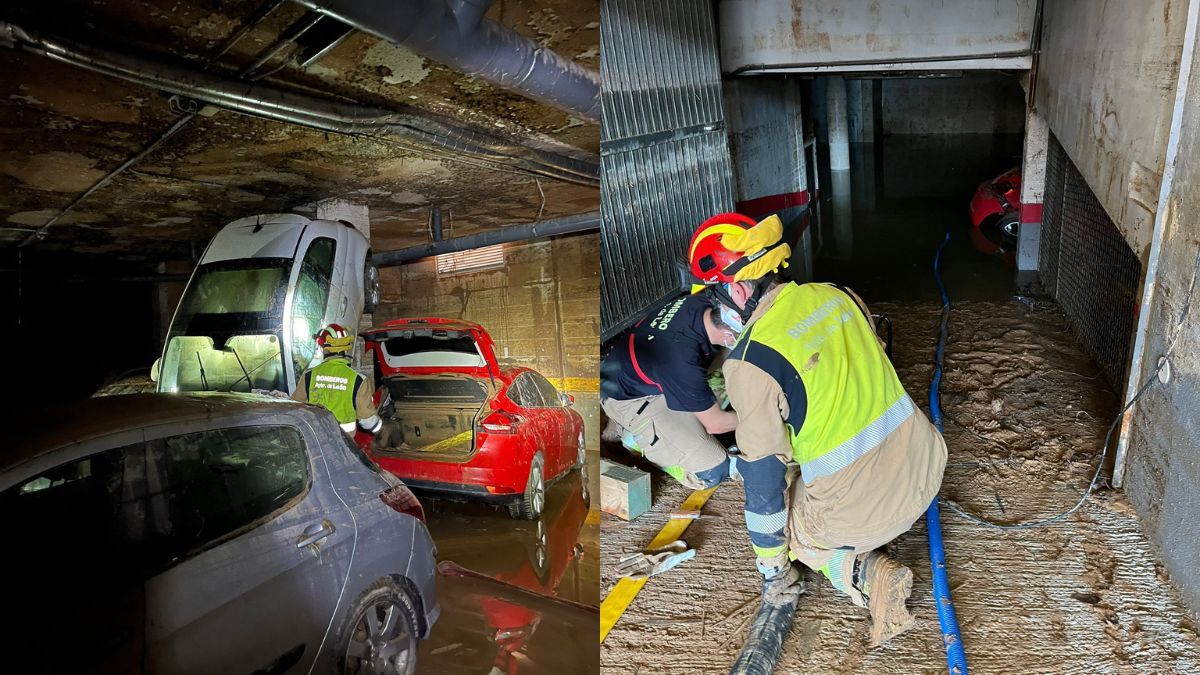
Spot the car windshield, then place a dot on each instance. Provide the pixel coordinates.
(227, 334)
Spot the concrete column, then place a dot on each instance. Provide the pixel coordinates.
(860, 104)
(842, 216)
(839, 128)
(357, 215)
(1033, 188)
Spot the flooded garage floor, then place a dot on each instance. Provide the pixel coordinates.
(1025, 415)
(1026, 412)
(533, 607)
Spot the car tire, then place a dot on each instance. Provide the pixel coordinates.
(370, 286)
(363, 644)
(531, 504)
(1008, 230)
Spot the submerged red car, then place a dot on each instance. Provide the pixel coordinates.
(995, 214)
(459, 425)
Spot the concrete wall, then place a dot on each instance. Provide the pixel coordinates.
(1107, 87)
(1163, 464)
(541, 309)
(820, 35)
(971, 104)
(1106, 82)
(766, 141)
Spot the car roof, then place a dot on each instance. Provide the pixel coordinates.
(43, 430)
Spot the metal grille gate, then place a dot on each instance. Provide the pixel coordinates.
(1088, 267)
(664, 154)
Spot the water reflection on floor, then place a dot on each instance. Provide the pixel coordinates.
(877, 226)
(533, 607)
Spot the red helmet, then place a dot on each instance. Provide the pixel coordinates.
(708, 258)
(335, 339)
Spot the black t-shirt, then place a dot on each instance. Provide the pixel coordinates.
(672, 349)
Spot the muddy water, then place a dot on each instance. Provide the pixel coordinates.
(533, 607)
(1026, 414)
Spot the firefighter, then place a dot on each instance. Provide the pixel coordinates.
(813, 388)
(654, 386)
(337, 387)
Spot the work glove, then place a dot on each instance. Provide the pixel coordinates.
(716, 382)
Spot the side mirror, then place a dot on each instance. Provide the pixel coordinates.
(155, 369)
(566, 399)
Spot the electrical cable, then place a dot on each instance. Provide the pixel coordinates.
(936, 412)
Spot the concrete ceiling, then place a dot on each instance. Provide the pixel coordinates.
(63, 129)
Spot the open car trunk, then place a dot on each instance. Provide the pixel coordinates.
(431, 415)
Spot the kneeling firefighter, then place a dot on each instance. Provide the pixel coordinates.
(813, 388)
(654, 386)
(337, 387)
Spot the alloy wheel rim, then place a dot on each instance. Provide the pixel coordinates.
(379, 643)
(539, 489)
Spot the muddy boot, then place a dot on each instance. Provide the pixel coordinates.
(782, 580)
(885, 585)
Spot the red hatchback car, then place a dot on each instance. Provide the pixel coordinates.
(459, 425)
(995, 214)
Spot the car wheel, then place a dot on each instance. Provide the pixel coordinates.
(1009, 229)
(380, 634)
(370, 287)
(530, 506)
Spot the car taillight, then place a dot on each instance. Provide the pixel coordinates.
(402, 500)
(500, 423)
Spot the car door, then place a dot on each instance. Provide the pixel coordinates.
(78, 556)
(539, 423)
(559, 422)
(312, 295)
(262, 551)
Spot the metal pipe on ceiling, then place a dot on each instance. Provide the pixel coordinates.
(310, 111)
(456, 34)
(542, 228)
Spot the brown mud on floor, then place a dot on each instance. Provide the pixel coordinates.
(1025, 416)
(536, 613)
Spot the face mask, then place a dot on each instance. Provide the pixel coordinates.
(730, 318)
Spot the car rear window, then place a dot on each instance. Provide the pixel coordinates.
(432, 349)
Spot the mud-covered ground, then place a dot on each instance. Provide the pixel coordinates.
(1026, 414)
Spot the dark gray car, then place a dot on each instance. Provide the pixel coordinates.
(207, 533)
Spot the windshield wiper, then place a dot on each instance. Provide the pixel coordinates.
(203, 377)
(245, 374)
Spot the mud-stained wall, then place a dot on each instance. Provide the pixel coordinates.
(1163, 469)
(971, 104)
(540, 308)
(816, 33)
(1106, 83)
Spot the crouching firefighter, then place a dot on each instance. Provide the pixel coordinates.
(812, 386)
(337, 387)
(654, 386)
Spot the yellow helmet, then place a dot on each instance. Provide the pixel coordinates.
(334, 339)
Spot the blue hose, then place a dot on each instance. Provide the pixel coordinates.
(956, 659)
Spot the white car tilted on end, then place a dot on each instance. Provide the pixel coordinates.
(263, 288)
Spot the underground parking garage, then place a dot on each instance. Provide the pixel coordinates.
(212, 206)
(1009, 184)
